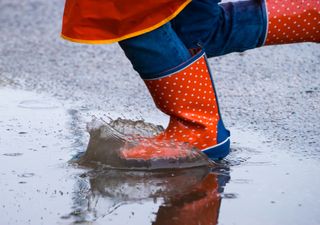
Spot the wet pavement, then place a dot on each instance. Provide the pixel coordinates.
(50, 89)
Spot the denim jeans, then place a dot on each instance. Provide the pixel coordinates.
(217, 28)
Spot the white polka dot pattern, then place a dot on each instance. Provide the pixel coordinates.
(293, 21)
(189, 98)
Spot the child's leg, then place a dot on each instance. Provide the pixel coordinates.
(182, 87)
(292, 21)
(221, 28)
(155, 52)
(237, 26)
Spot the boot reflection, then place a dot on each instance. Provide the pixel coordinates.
(186, 196)
(200, 206)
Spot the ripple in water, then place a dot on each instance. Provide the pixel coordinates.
(37, 104)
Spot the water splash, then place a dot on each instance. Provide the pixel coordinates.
(110, 142)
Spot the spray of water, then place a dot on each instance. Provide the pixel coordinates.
(109, 141)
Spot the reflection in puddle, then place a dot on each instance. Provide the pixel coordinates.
(199, 206)
(181, 195)
(188, 196)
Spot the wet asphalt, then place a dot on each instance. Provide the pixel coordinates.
(272, 89)
(269, 98)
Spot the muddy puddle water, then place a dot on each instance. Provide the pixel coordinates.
(259, 183)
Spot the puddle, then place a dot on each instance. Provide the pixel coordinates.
(32, 163)
(258, 183)
(271, 186)
(113, 196)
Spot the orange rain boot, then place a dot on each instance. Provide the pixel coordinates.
(186, 93)
(291, 21)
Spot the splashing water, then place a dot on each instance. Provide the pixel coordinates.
(110, 142)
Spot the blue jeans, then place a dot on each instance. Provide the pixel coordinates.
(218, 29)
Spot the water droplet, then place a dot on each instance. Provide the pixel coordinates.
(26, 175)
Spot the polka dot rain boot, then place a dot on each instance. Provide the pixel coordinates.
(292, 21)
(187, 94)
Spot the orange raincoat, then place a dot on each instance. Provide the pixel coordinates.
(108, 21)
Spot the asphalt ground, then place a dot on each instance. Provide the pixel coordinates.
(269, 97)
(272, 89)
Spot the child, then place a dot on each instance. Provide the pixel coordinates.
(167, 42)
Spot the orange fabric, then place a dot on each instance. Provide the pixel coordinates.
(156, 148)
(293, 21)
(107, 21)
(189, 98)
